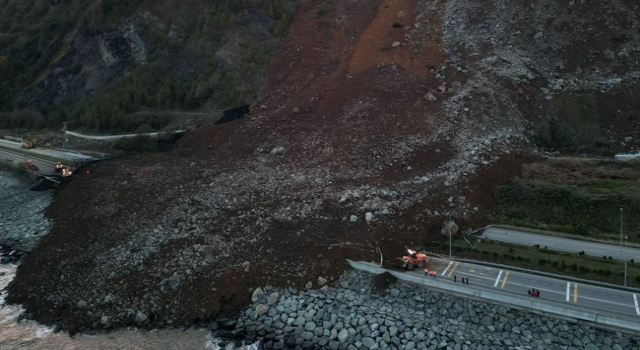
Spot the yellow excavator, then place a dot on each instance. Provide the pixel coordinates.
(65, 170)
(414, 259)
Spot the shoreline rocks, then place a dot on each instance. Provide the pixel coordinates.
(355, 316)
(23, 217)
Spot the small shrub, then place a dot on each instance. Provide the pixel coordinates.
(398, 25)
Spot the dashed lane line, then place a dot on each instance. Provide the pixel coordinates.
(575, 293)
(498, 279)
(635, 301)
(447, 269)
(568, 290)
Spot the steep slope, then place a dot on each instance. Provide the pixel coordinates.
(378, 120)
(108, 65)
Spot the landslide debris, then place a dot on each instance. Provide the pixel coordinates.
(378, 119)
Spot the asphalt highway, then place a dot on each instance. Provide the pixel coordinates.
(555, 289)
(45, 153)
(562, 244)
(44, 167)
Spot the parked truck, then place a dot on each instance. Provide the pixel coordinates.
(27, 143)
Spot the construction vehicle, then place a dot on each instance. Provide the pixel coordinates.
(30, 166)
(414, 259)
(26, 143)
(66, 171)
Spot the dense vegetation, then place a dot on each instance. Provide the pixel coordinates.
(199, 55)
(576, 196)
(586, 122)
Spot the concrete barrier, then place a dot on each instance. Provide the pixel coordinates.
(483, 294)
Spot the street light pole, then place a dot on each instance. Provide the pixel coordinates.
(625, 262)
(621, 257)
(450, 227)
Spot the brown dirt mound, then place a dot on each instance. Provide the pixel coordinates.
(382, 281)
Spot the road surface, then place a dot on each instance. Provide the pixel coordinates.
(555, 289)
(122, 136)
(46, 153)
(44, 167)
(561, 243)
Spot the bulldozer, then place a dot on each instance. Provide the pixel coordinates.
(66, 171)
(414, 259)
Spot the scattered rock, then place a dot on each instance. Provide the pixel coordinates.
(273, 298)
(141, 318)
(368, 217)
(430, 97)
(261, 309)
(321, 281)
(279, 151)
(256, 294)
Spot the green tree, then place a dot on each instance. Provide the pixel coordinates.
(96, 13)
(41, 7)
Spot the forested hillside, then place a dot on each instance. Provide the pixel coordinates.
(109, 65)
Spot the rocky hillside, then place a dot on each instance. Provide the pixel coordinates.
(379, 119)
(113, 65)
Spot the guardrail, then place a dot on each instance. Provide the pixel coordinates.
(480, 293)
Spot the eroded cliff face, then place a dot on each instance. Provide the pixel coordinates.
(378, 120)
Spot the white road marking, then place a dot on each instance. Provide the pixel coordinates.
(635, 301)
(568, 290)
(498, 279)
(447, 269)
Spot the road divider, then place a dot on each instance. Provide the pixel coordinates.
(504, 280)
(455, 266)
